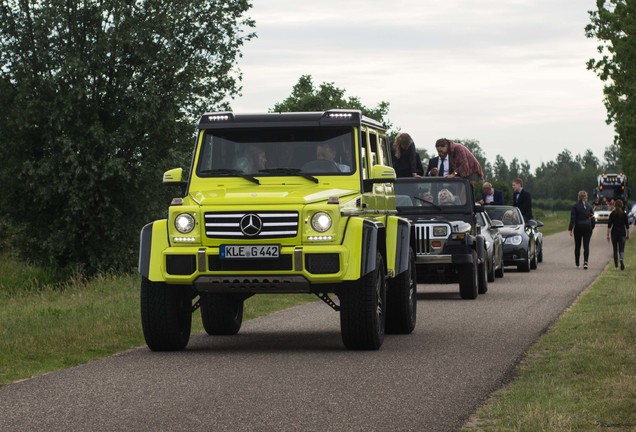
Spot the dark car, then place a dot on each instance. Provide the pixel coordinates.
(449, 246)
(494, 244)
(520, 237)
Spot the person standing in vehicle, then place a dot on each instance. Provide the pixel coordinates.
(618, 230)
(522, 199)
(463, 162)
(404, 156)
(580, 227)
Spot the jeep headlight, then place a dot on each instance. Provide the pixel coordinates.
(184, 223)
(321, 221)
(514, 240)
(440, 231)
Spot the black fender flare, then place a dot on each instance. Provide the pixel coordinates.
(145, 246)
(370, 230)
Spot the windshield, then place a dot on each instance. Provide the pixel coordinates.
(508, 215)
(276, 151)
(421, 194)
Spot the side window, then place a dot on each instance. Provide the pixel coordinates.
(383, 151)
(363, 152)
(373, 144)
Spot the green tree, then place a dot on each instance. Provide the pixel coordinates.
(501, 172)
(612, 159)
(306, 97)
(98, 99)
(613, 23)
(475, 148)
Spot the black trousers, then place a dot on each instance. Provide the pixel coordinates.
(618, 244)
(582, 235)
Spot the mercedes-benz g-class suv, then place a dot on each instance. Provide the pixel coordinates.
(448, 244)
(281, 203)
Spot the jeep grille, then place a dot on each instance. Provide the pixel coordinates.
(424, 235)
(251, 225)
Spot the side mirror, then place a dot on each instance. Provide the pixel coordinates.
(173, 177)
(531, 224)
(496, 223)
(383, 172)
(379, 174)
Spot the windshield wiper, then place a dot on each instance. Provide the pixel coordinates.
(289, 171)
(427, 202)
(231, 173)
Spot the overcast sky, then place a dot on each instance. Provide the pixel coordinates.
(509, 73)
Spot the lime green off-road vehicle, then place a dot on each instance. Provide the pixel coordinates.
(281, 203)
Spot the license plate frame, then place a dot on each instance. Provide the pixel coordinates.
(271, 251)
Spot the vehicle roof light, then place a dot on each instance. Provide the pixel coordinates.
(340, 115)
(218, 117)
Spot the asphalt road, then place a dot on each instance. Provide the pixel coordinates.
(290, 372)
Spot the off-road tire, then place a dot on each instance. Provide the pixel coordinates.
(468, 280)
(401, 301)
(166, 315)
(363, 310)
(221, 314)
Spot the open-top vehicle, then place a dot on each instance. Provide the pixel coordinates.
(449, 247)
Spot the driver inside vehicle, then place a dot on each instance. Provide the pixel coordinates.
(509, 218)
(327, 151)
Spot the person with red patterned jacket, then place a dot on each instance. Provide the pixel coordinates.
(464, 163)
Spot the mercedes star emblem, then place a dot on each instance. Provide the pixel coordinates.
(251, 225)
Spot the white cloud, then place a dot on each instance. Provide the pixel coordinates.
(509, 74)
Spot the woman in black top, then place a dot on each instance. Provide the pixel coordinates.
(404, 157)
(581, 228)
(618, 228)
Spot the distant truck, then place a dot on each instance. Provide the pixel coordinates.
(612, 187)
(276, 203)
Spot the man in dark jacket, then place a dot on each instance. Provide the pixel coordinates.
(490, 195)
(522, 199)
(439, 167)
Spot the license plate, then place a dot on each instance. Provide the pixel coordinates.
(249, 251)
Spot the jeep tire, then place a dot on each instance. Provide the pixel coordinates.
(401, 300)
(221, 314)
(468, 279)
(363, 310)
(166, 315)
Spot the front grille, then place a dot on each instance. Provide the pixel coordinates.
(424, 235)
(256, 225)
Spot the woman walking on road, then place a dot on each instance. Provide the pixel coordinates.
(581, 227)
(618, 229)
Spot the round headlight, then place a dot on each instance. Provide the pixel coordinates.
(321, 221)
(184, 223)
(514, 240)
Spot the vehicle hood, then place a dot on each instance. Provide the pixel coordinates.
(511, 230)
(268, 194)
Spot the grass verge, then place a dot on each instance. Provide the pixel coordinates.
(554, 221)
(580, 375)
(47, 328)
